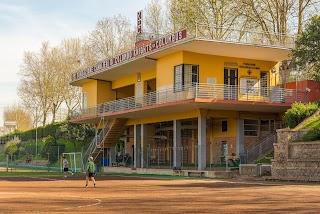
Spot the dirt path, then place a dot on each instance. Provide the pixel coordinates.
(116, 194)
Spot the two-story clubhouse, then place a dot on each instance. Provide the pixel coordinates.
(188, 98)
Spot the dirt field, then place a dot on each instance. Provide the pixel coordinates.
(116, 194)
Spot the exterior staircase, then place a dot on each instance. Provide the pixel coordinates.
(109, 139)
(261, 149)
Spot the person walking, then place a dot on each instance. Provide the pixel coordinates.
(65, 164)
(90, 170)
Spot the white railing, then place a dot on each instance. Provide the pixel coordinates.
(243, 36)
(199, 90)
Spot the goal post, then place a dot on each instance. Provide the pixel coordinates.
(75, 161)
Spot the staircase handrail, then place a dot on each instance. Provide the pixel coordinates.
(259, 147)
(96, 140)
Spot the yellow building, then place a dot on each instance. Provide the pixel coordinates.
(188, 99)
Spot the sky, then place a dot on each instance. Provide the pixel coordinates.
(25, 24)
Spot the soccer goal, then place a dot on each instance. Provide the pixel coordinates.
(75, 161)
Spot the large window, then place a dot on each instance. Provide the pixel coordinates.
(251, 127)
(258, 127)
(185, 75)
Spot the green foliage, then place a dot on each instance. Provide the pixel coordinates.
(315, 123)
(267, 158)
(298, 112)
(12, 146)
(39, 132)
(75, 132)
(312, 135)
(51, 146)
(307, 50)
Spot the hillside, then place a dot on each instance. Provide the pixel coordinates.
(310, 122)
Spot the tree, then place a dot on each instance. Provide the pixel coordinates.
(71, 51)
(18, 114)
(12, 146)
(155, 19)
(307, 50)
(75, 132)
(37, 82)
(111, 36)
(214, 18)
(51, 146)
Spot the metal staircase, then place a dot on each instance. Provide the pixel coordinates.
(95, 141)
(106, 138)
(261, 149)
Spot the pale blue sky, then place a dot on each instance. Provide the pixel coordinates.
(25, 24)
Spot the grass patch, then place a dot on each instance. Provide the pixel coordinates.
(314, 123)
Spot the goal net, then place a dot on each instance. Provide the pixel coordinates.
(75, 161)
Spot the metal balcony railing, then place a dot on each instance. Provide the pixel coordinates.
(198, 90)
(242, 36)
(208, 32)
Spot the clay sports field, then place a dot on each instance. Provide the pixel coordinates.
(132, 194)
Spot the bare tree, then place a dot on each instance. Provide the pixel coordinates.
(37, 82)
(155, 18)
(18, 114)
(71, 51)
(214, 18)
(111, 36)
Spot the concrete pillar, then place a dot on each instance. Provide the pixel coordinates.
(202, 146)
(137, 143)
(112, 155)
(144, 146)
(177, 143)
(240, 137)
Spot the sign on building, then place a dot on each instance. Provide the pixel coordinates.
(139, 22)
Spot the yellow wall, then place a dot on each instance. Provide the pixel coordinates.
(132, 79)
(213, 66)
(163, 118)
(105, 92)
(124, 92)
(165, 66)
(98, 92)
(91, 89)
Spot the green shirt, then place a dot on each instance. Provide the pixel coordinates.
(90, 167)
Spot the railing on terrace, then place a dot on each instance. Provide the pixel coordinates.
(199, 90)
(206, 32)
(243, 36)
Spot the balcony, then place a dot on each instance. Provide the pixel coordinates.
(203, 39)
(201, 95)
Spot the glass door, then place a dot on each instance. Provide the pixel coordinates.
(230, 83)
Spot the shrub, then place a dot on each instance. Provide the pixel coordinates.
(312, 135)
(51, 146)
(298, 112)
(11, 147)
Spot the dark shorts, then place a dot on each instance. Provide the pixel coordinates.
(65, 169)
(90, 174)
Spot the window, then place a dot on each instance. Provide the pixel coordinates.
(264, 84)
(84, 101)
(185, 75)
(266, 127)
(251, 127)
(224, 125)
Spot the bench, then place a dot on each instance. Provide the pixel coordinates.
(196, 173)
(114, 164)
(178, 172)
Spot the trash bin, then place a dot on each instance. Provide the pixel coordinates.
(104, 161)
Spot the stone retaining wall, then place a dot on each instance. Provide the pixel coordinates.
(295, 160)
